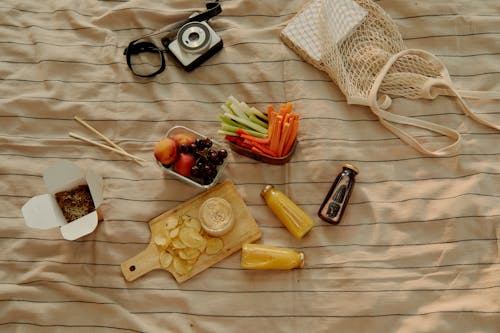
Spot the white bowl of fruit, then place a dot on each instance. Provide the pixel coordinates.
(191, 156)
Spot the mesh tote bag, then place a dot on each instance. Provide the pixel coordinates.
(361, 49)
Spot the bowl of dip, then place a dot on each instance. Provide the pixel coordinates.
(216, 216)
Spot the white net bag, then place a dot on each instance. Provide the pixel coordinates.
(361, 49)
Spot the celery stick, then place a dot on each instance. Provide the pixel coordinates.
(232, 100)
(247, 122)
(239, 110)
(244, 106)
(230, 125)
(248, 110)
(257, 134)
(258, 121)
(230, 128)
(258, 113)
(221, 132)
(227, 109)
(234, 105)
(229, 121)
(252, 111)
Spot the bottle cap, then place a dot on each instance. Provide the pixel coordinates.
(266, 189)
(301, 265)
(350, 166)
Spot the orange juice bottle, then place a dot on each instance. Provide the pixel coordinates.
(294, 218)
(256, 256)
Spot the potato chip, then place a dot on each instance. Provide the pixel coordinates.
(174, 232)
(171, 222)
(162, 240)
(181, 266)
(189, 253)
(194, 223)
(214, 245)
(190, 237)
(178, 244)
(181, 241)
(192, 261)
(165, 259)
(203, 245)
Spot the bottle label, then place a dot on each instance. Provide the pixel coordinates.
(335, 201)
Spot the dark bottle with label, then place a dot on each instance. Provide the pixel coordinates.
(335, 202)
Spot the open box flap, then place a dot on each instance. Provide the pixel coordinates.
(42, 212)
(63, 176)
(80, 227)
(95, 184)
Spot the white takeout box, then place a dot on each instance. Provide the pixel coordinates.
(43, 212)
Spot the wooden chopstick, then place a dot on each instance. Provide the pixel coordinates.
(119, 151)
(93, 130)
(105, 138)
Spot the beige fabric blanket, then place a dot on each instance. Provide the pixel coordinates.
(416, 251)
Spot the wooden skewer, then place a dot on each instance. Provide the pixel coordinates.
(76, 136)
(105, 138)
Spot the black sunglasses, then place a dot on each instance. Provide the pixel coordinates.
(145, 59)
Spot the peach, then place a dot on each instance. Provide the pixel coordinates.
(184, 164)
(184, 138)
(166, 151)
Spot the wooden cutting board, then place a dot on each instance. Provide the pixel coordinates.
(245, 230)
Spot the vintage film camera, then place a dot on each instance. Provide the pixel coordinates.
(191, 42)
(195, 42)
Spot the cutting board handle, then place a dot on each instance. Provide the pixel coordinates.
(142, 263)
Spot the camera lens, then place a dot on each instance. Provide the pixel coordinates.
(194, 37)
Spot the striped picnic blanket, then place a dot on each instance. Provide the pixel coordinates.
(417, 249)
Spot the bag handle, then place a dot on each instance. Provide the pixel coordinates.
(387, 118)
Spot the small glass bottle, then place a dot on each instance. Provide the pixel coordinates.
(256, 256)
(294, 218)
(333, 207)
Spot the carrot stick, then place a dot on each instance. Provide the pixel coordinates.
(292, 137)
(280, 129)
(257, 150)
(282, 110)
(288, 118)
(276, 133)
(286, 108)
(255, 139)
(265, 150)
(274, 125)
(283, 139)
(270, 109)
(241, 131)
(270, 121)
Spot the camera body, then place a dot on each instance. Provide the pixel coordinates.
(195, 43)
